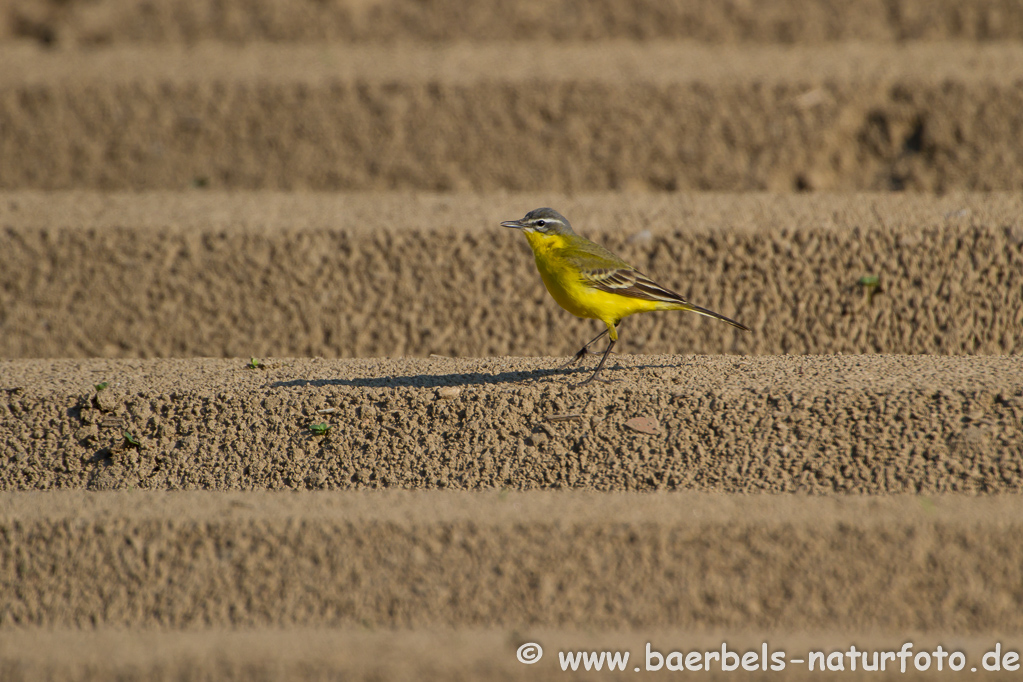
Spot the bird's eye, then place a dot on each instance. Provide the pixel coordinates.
(541, 223)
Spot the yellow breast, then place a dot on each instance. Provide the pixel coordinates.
(565, 285)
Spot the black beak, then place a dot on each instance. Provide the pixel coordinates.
(517, 224)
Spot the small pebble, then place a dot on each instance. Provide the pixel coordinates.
(644, 425)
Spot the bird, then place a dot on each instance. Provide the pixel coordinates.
(589, 281)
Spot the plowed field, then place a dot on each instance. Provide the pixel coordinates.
(281, 400)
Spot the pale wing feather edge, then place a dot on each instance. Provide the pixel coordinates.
(631, 283)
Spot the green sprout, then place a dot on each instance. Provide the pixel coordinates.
(869, 281)
(254, 363)
(319, 429)
(871, 285)
(132, 440)
(100, 386)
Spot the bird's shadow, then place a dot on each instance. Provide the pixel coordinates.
(462, 379)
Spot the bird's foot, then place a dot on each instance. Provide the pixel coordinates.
(592, 379)
(579, 356)
(582, 354)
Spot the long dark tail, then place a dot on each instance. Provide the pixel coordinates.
(716, 316)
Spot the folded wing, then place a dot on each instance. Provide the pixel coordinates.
(632, 283)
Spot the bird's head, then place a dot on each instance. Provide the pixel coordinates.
(543, 221)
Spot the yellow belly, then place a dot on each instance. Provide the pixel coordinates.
(572, 294)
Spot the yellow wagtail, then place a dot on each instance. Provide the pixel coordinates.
(587, 280)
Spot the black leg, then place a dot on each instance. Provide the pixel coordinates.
(610, 345)
(584, 351)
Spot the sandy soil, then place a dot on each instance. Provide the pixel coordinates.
(87, 274)
(544, 560)
(867, 424)
(102, 22)
(437, 654)
(408, 585)
(515, 116)
(185, 185)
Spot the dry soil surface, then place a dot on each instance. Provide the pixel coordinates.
(520, 529)
(186, 185)
(529, 116)
(170, 274)
(856, 424)
(61, 23)
(432, 585)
